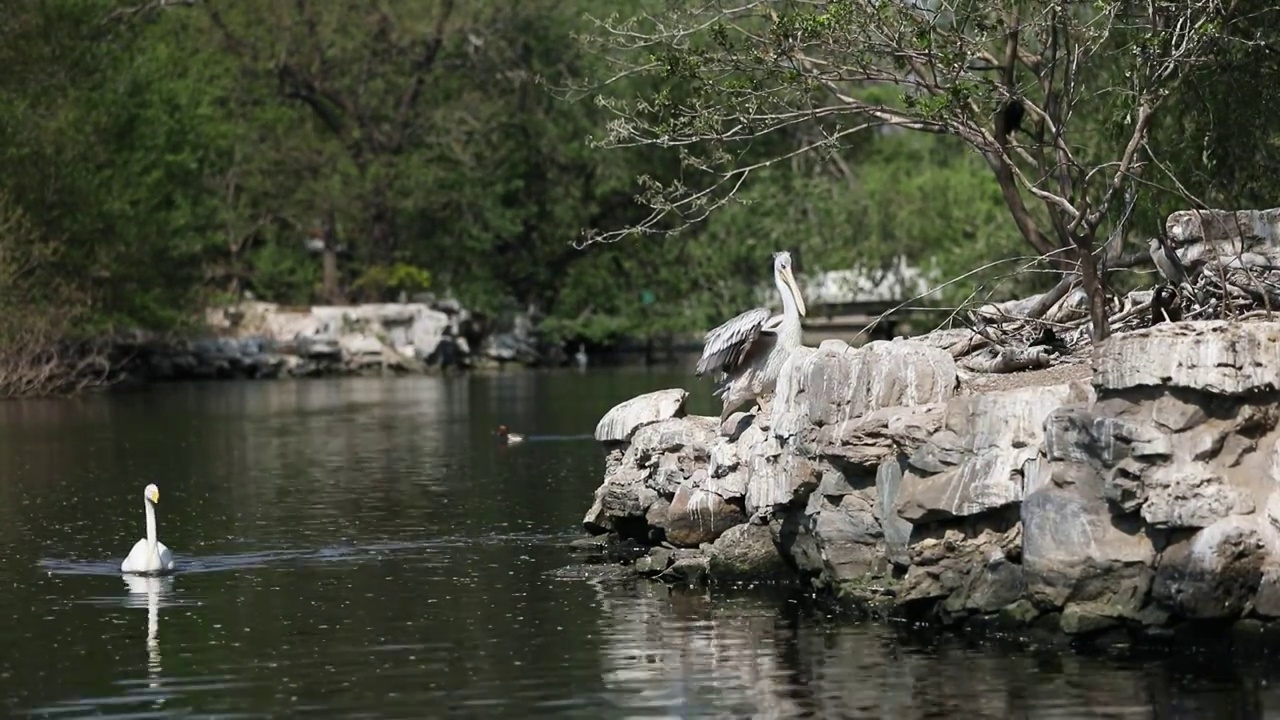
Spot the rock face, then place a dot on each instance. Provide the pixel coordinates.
(1144, 495)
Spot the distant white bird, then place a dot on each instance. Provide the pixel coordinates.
(149, 555)
(750, 350)
(580, 357)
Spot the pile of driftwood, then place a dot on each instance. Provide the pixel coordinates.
(1211, 264)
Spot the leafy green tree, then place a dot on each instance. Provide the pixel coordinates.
(105, 150)
(159, 156)
(1038, 90)
(1218, 143)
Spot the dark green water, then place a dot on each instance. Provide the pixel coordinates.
(363, 549)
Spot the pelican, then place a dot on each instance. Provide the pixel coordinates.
(750, 349)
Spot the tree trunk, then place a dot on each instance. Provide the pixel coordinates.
(1094, 289)
(381, 227)
(330, 291)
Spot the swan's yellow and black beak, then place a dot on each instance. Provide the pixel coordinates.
(155, 495)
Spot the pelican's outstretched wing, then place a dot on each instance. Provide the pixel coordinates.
(725, 347)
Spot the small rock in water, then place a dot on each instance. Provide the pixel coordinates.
(691, 570)
(655, 562)
(592, 572)
(589, 544)
(746, 553)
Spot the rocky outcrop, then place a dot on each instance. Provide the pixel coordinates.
(264, 340)
(1139, 492)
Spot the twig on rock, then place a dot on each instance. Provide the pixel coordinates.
(1009, 360)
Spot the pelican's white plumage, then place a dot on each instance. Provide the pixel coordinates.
(149, 555)
(726, 345)
(750, 350)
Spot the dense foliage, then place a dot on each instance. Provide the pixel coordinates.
(1064, 103)
(159, 157)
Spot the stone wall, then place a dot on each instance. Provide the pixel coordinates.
(1136, 488)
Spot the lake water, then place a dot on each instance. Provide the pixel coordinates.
(362, 548)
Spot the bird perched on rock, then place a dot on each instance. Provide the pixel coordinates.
(748, 351)
(1164, 305)
(1171, 267)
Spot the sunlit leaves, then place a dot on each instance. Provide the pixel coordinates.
(778, 80)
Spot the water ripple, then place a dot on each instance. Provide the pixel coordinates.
(336, 553)
(364, 548)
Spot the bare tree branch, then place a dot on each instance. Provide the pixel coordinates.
(135, 12)
(734, 73)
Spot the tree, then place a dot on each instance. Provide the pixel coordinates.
(362, 71)
(106, 147)
(1058, 100)
(425, 136)
(1216, 144)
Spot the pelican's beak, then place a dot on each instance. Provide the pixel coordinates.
(790, 280)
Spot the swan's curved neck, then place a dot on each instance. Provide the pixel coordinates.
(151, 522)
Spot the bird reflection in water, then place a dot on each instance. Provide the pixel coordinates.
(152, 589)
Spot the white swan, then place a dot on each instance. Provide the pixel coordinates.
(149, 555)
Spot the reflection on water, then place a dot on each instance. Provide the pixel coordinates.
(151, 588)
(364, 548)
(687, 654)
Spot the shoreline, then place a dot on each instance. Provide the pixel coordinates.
(599, 562)
(264, 341)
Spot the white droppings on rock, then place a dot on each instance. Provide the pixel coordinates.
(621, 422)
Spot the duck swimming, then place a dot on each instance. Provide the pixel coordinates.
(508, 438)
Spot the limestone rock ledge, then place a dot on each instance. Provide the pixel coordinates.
(263, 340)
(1144, 497)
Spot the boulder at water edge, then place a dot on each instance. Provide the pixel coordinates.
(1144, 492)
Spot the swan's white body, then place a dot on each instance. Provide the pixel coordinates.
(149, 555)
